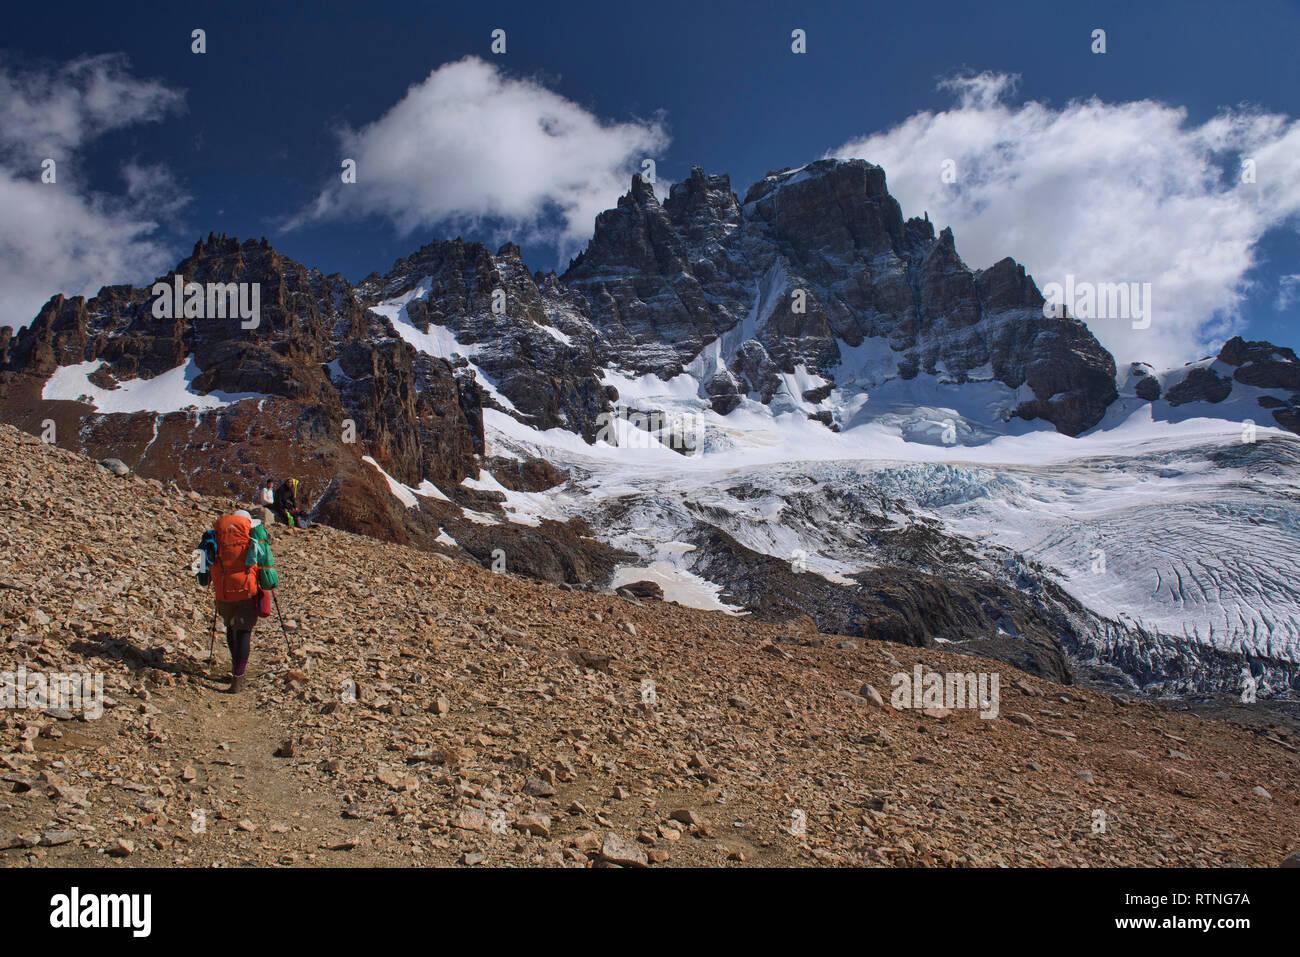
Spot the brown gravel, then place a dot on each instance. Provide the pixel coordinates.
(499, 721)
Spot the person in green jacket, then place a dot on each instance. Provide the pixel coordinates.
(240, 616)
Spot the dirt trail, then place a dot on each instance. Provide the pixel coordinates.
(234, 749)
(221, 750)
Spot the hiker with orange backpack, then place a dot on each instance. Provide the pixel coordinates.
(241, 569)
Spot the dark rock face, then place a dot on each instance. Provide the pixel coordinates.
(357, 499)
(814, 260)
(1148, 389)
(524, 332)
(643, 589)
(1289, 417)
(655, 294)
(899, 603)
(553, 552)
(1070, 392)
(1146, 385)
(526, 475)
(1262, 364)
(1201, 385)
(338, 383)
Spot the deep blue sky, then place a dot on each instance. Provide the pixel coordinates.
(256, 141)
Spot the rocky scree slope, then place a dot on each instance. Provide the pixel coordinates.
(499, 721)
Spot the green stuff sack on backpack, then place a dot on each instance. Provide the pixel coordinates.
(259, 555)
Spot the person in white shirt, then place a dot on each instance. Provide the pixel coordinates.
(266, 498)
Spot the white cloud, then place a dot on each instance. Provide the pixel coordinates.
(1126, 192)
(58, 240)
(61, 237)
(1288, 291)
(153, 187)
(470, 144)
(54, 113)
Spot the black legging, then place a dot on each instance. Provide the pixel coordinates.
(240, 644)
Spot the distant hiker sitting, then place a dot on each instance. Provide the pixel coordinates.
(241, 570)
(288, 505)
(266, 498)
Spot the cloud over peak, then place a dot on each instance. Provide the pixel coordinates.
(471, 144)
(1123, 192)
(58, 235)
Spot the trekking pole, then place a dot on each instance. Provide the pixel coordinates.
(283, 630)
(212, 635)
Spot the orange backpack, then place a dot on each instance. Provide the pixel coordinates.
(232, 578)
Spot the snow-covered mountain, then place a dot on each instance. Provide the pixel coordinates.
(798, 404)
(1161, 554)
(803, 297)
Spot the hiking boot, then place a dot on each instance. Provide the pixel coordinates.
(237, 683)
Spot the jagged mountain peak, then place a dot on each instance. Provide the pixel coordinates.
(813, 263)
